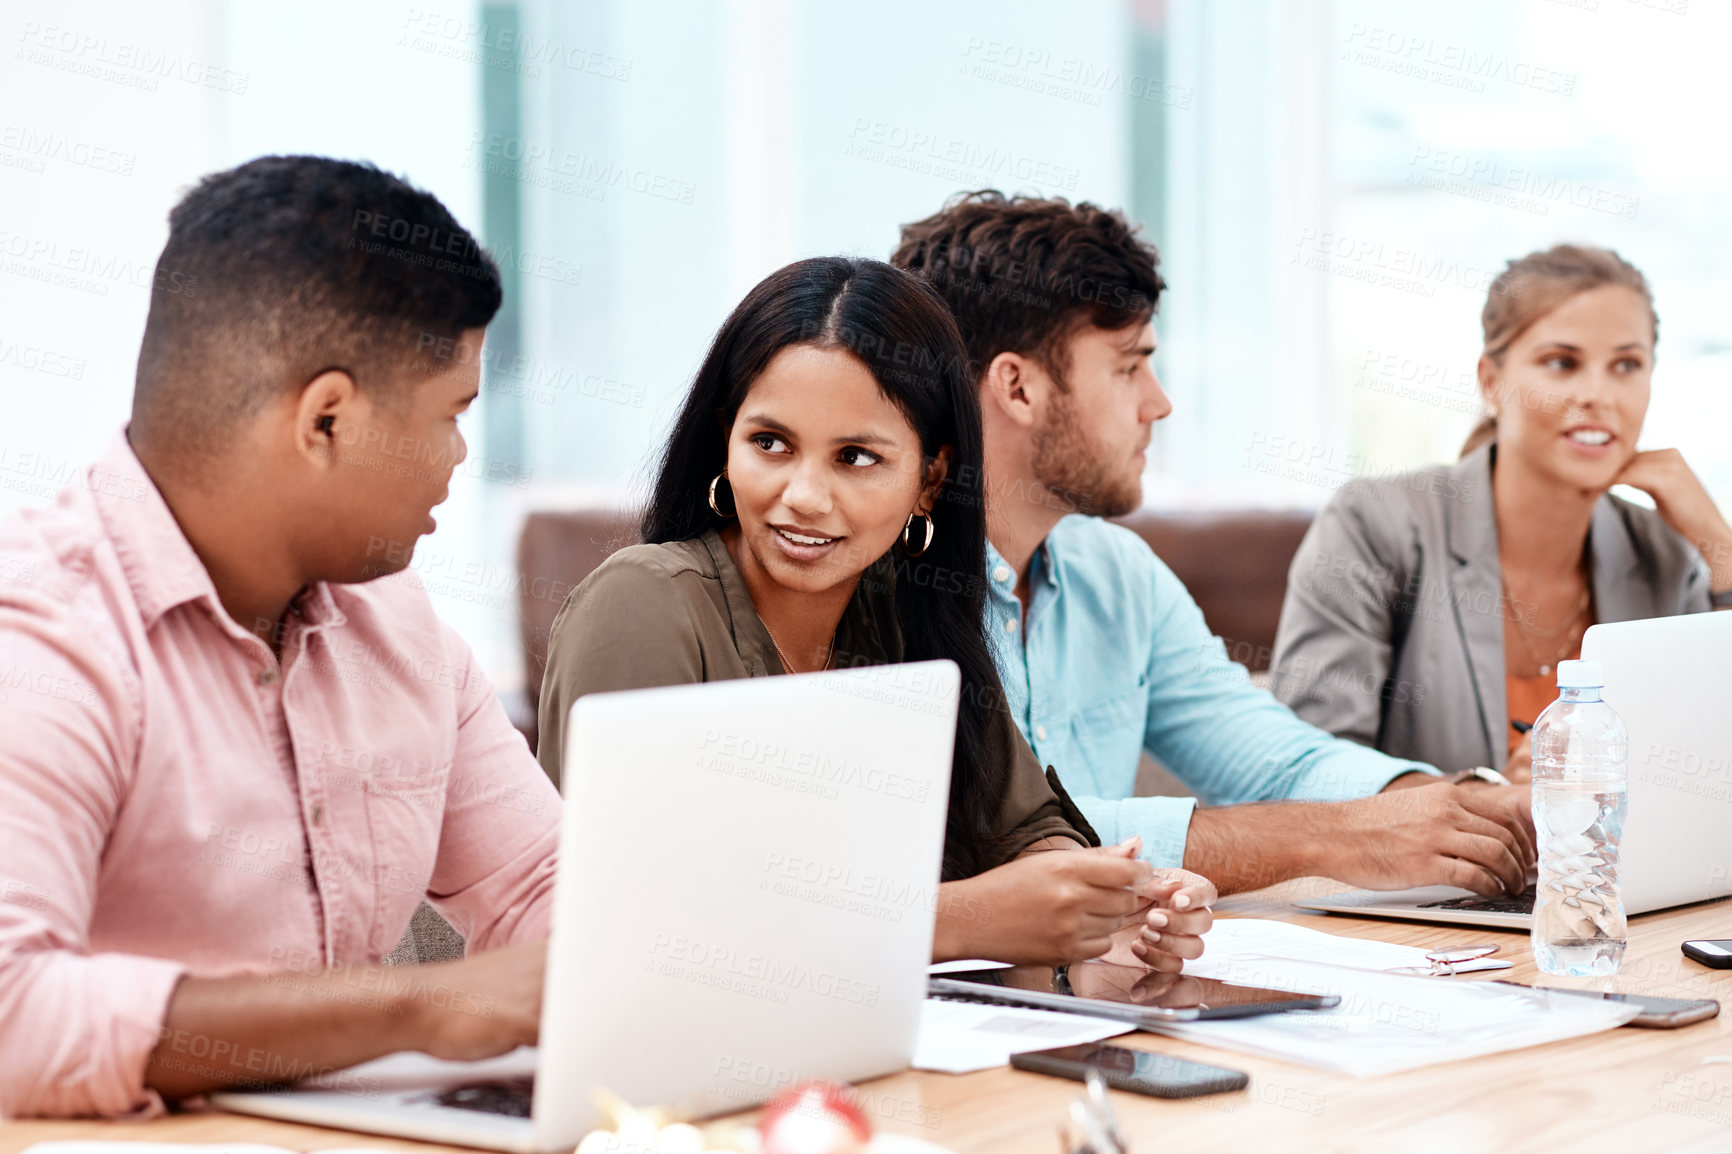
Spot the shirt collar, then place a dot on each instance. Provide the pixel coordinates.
(860, 635)
(316, 606)
(751, 638)
(160, 565)
(1042, 569)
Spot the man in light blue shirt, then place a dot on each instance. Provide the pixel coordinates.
(1102, 651)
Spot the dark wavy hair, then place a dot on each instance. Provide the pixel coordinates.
(1022, 273)
(900, 329)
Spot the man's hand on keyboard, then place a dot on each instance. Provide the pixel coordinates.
(486, 1004)
(1478, 838)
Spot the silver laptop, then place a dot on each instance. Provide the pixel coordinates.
(747, 877)
(1666, 678)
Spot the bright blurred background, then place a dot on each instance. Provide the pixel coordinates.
(1332, 185)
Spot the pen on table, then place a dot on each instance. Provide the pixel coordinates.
(1520, 726)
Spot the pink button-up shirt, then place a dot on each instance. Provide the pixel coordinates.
(174, 800)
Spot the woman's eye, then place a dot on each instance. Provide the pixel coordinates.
(1629, 365)
(1559, 364)
(769, 442)
(858, 457)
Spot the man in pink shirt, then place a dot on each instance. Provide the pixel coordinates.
(237, 747)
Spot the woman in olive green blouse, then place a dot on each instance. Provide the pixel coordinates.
(818, 504)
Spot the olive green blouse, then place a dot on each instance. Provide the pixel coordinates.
(673, 614)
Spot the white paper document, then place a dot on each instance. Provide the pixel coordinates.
(1233, 939)
(958, 1037)
(1387, 1022)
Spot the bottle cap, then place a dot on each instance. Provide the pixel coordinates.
(1580, 675)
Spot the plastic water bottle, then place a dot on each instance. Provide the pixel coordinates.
(1580, 750)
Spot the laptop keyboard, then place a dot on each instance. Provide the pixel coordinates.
(508, 1096)
(1522, 903)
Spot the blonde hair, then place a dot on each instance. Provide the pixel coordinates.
(1533, 286)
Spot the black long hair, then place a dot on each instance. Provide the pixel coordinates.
(902, 331)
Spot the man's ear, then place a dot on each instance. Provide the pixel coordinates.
(936, 472)
(327, 414)
(1014, 385)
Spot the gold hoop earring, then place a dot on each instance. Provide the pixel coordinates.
(715, 508)
(924, 544)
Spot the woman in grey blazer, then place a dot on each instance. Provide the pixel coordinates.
(1426, 612)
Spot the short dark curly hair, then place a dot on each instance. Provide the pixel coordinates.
(1022, 273)
(287, 266)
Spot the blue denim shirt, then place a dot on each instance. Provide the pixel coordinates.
(1118, 660)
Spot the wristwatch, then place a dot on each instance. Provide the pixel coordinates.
(1720, 599)
(1479, 773)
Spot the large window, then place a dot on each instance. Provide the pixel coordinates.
(1332, 184)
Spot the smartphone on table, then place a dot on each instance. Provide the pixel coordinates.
(1657, 1013)
(1138, 1071)
(1717, 954)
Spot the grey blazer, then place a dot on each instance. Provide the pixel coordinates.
(1392, 631)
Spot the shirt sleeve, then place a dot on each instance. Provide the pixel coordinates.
(1031, 810)
(1225, 738)
(76, 1028)
(626, 626)
(498, 845)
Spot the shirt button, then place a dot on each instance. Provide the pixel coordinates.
(1002, 573)
(1010, 625)
(268, 676)
(1040, 732)
(318, 814)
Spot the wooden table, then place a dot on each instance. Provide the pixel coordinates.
(1629, 1090)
